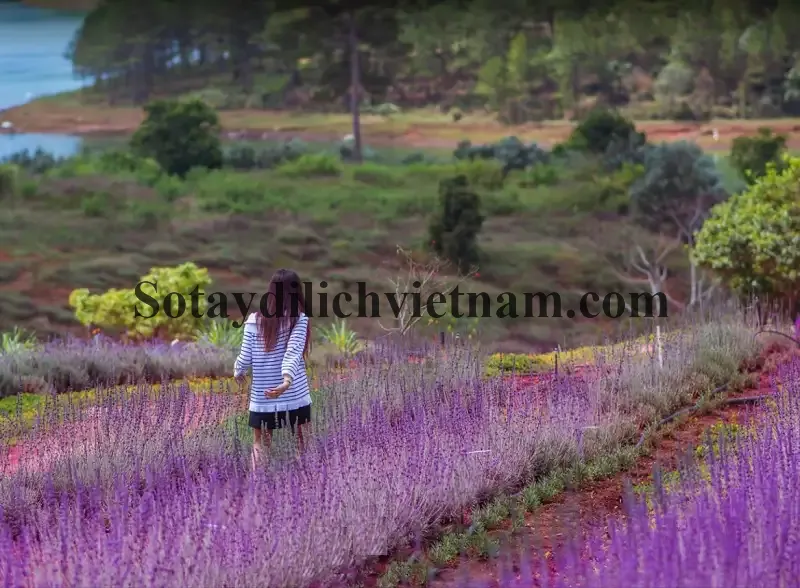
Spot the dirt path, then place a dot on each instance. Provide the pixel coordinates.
(553, 525)
(429, 130)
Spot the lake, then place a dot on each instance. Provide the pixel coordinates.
(33, 42)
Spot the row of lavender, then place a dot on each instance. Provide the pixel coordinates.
(77, 364)
(149, 500)
(732, 521)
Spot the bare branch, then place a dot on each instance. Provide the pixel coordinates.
(420, 279)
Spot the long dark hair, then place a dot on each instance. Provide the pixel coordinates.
(286, 295)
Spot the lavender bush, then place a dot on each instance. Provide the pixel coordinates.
(149, 493)
(75, 364)
(731, 521)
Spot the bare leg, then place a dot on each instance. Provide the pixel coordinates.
(301, 442)
(262, 439)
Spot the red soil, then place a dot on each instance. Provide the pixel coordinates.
(553, 525)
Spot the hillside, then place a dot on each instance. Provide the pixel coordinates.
(83, 225)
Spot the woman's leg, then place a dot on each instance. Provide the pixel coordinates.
(301, 424)
(262, 439)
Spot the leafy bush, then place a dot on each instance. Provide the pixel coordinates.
(377, 175)
(515, 364)
(179, 136)
(117, 309)
(9, 180)
(601, 129)
(344, 339)
(245, 157)
(347, 151)
(753, 239)
(454, 230)
(614, 188)
(512, 153)
(481, 173)
(679, 185)
(751, 155)
(17, 340)
(312, 164)
(540, 174)
(222, 333)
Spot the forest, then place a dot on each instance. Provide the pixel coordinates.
(523, 61)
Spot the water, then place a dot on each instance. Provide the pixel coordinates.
(33, 42)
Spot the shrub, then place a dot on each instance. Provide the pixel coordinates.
(600, 129)
(9, 180)
(751, 155)
(541, 174)
(512, 153)
(245, 157)
(179, 136)
(347, 151)
(753, 239)
(454, 230)
(680, 184)
(138, 311)
(311, 164)
(482, 173)
(377, 175)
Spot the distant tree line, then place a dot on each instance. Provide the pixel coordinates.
(524, 60)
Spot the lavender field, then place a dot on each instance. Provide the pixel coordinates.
(151, 484)
(730, 521)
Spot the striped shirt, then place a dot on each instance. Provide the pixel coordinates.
(270, 367)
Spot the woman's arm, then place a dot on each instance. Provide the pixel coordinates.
(293, 358)
(245, 358)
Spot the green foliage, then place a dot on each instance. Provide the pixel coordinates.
(312, 164)
(9, 180)
(516, 364)
(344, 339)
(34, 162)
(717, 435)
(455, 227)
(464, 326)
(614, 188)
(482, 173)
(179, 135)
(512, 153)
(680, 183)
(246, 157)
(753, 239)
(17, 340)
(601, 129)
(116, 309)
(751, 155)
(347, 151)
(221, 332)
(541, 174)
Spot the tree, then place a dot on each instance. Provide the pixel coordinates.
(179, 136)
(454, 230)
(421, 278)
(679, 186)
(117, 309)
(353, 23)
(753, 240)
(752, 155)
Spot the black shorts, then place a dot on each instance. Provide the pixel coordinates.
(298, 416)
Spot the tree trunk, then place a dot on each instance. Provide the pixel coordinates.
(355, 85)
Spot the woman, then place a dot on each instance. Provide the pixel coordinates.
(275, 345)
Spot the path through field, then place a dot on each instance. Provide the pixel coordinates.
(553, 525)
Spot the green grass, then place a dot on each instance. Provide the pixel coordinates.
(83, 226)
